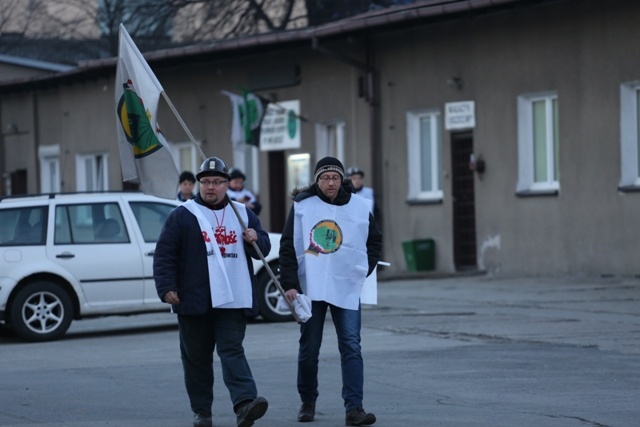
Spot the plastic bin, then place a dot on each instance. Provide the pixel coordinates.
(420, 255)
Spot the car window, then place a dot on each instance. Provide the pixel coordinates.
(90, 223)
(23, 226)
(151, 218)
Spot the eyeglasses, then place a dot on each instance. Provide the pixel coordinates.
(325, 178)
(207, 183)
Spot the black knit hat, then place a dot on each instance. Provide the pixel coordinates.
(328, 164)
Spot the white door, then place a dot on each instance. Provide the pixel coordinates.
(92, 242)
(149, 219)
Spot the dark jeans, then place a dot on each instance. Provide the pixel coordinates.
(347, 324)
(199, 336)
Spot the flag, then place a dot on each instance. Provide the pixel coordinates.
(249, 110)
(144, 153)
(237, 134)
(253, 113)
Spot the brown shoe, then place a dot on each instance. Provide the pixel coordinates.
(358, 417)
(307, 412)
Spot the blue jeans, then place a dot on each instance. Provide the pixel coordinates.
(199, 336)
(347, 324)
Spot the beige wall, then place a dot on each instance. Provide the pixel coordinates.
(584, 53)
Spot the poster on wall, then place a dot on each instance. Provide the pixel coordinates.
(281, 127)
(298, 171)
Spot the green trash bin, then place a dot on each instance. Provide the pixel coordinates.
(420, 255)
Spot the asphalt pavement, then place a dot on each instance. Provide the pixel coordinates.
(459, 351)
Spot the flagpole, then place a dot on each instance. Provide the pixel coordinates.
(183, 124)
(273, 276)
(281, 108)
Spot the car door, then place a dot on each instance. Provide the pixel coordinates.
(150, 217)
(92, 242)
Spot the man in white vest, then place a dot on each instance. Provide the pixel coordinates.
(330, 244)
(202, 267)
(357, 181)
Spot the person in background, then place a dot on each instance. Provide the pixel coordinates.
(330, 244)
(239, 193)
(187, 182)
(202, 267)
(357, 182)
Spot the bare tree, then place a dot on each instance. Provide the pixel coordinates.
(72, 30)
(207, 20)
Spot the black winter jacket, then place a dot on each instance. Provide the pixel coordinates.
(288, 259)
(180, 261)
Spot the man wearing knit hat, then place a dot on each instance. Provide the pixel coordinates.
(330, 244)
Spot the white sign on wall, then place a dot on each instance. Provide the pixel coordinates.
(459, 115)
(281, 127)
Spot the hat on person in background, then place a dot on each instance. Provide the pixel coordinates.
(237, 173)
(354, 170)
(328, 164)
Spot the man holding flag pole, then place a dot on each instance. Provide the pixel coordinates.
(202, 264)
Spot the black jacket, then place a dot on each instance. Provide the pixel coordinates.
(288, 259)
(180, 261)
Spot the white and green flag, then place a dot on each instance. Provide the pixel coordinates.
(248, 112)
(144, 154)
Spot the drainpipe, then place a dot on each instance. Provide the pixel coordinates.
(36, 141)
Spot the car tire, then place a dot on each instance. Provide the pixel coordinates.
(41, 311)
(268, 295)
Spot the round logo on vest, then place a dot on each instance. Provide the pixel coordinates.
(325, 238)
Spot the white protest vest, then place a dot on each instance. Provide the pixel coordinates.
(367, 193)
(227, 261)
(331, 247)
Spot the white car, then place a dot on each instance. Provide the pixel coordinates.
(73, 256)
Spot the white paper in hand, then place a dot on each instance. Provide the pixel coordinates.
(301, 305)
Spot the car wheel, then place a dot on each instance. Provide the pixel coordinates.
(268, 296)
(41, 311)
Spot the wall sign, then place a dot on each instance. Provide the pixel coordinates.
(459, 115)
(281, 127)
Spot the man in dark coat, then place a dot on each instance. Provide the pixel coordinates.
(330, 244)
(202, 267)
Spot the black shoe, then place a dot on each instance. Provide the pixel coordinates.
(307, 412)
(203, 419)
(358, 417)
(251, 411)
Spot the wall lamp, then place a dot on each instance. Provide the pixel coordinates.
(455, 83)
(12, 129)
(477, 164)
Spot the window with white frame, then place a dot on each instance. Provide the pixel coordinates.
(424, 149)
(49, 157)
(630, 135)
(330, 140)
(187, 156)
(538, 158)
(92, 172)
